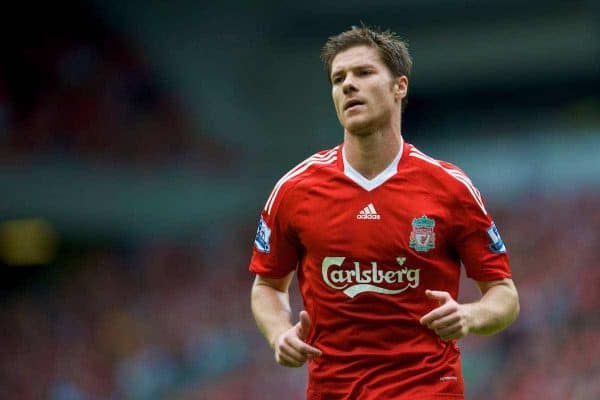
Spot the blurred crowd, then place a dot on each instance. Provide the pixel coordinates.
(159, 320)
(69, 86)
(552, 351)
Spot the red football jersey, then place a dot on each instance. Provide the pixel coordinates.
(365, 251)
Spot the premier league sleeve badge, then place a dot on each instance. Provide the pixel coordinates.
(263, 234)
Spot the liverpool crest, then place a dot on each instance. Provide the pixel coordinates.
(422, 237)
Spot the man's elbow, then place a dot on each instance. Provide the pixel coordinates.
(509, 307)
(516, 305)
(505, 304)
(510, 297)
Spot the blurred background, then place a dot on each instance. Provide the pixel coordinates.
(139, 141)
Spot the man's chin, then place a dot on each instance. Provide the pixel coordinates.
(359, 126)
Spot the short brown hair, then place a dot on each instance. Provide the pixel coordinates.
(392, 50)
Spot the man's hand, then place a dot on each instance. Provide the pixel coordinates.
(450, 320)
(290, 347)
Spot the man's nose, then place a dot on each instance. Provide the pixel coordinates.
(349, 85)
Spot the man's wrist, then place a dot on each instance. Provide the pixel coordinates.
(276, 336)
(470, 313)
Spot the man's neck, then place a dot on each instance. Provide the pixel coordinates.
(370, 154)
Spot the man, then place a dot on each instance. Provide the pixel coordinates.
(376, 231)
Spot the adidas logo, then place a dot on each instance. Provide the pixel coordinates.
(368, 212)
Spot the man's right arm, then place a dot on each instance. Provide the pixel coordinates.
(271, 309)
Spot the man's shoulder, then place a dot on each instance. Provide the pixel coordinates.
(446, 176)
(442, 170)
(318, 161)
(300, 173)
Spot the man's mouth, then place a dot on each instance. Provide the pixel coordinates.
(352, 103)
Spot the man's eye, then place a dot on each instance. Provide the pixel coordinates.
(365, 72)
(337, 79)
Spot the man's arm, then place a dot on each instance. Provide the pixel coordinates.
(497, 309)
(271, 309)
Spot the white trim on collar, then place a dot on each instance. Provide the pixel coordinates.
(370, 184)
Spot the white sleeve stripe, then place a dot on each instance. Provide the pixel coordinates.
(460, 174)
(474, 192)
(273, 197)
(425, 158)
(326, 158)
(311, 158)
(297, 167)
(454, 171)
(456, 174)
(415, 151)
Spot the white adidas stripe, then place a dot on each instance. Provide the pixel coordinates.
(275, 192)
(327, 158)
(316, 159)
(371, 208)
(296, 168)
(456, 174)
(474, 192)
(461, 175)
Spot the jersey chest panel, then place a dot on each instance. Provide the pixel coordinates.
(383, 242)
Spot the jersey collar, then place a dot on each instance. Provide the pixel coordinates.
(370, 184)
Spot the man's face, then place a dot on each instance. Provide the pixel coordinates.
(365, 94)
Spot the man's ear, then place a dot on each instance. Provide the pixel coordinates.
(400, 87)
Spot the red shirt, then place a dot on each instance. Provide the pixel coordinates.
(365, 252)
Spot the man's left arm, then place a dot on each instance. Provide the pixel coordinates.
(497, 309)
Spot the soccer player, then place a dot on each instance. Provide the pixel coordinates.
(376, 231)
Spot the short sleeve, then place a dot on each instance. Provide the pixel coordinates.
(477, 239)
(275, 252)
